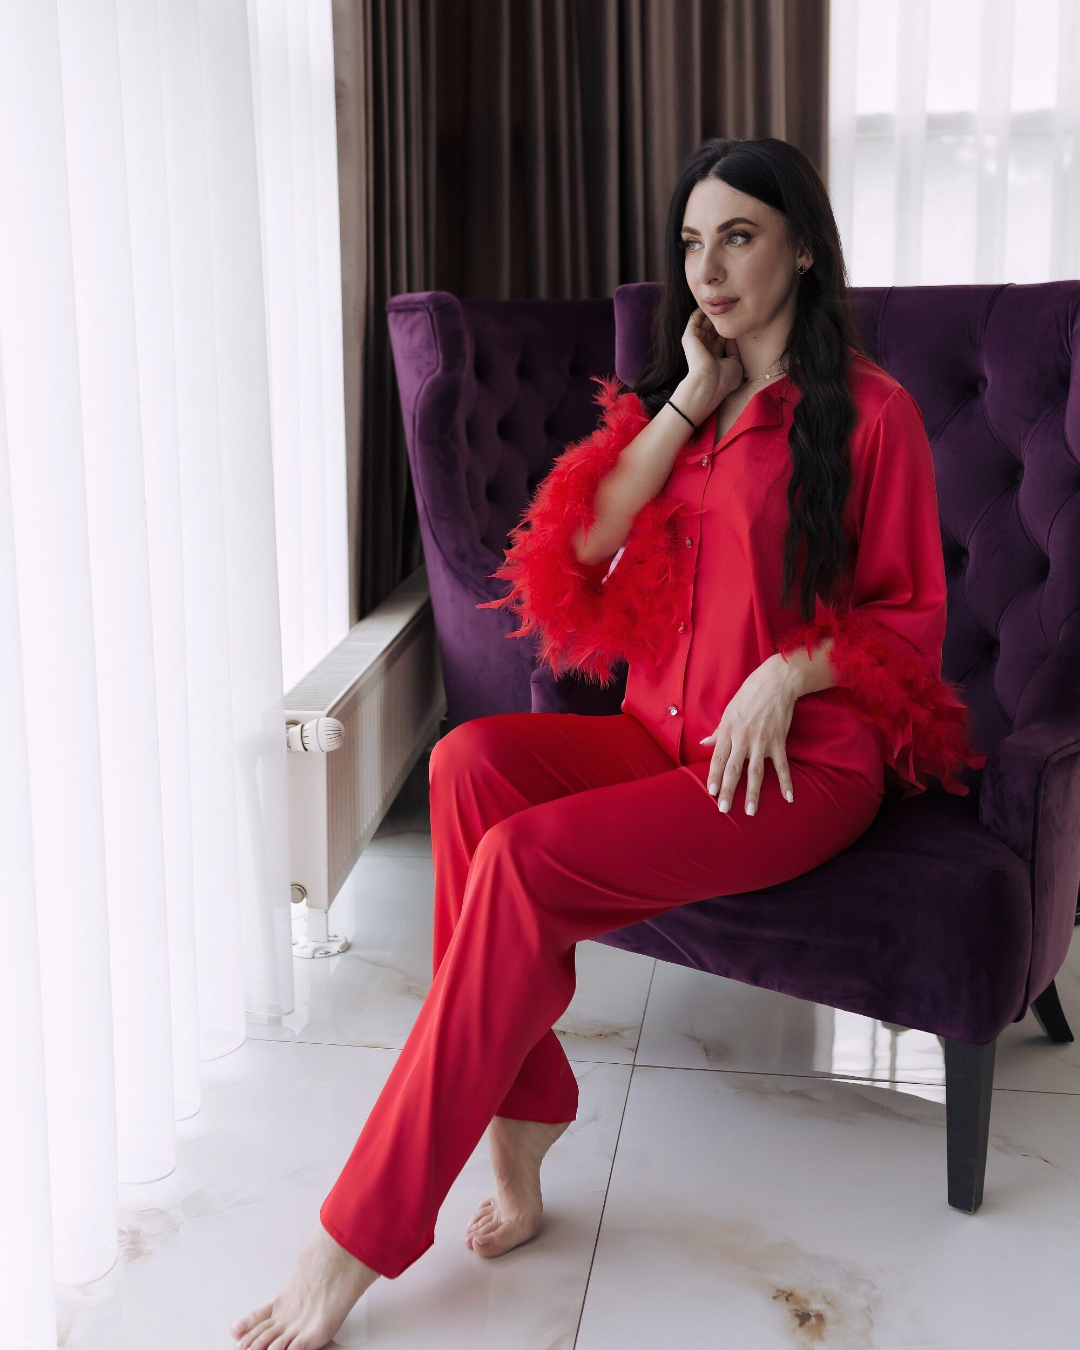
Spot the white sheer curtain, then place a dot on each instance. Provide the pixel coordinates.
(954, 140)
(142, 769)
(296, 129)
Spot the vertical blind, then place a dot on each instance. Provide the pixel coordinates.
(954, 140)
(171, 443)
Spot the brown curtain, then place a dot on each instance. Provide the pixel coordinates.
(515, 148)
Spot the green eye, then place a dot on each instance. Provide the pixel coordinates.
(685, 244)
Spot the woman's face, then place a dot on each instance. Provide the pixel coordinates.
(736, 246)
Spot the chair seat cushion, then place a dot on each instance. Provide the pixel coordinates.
(925, 921)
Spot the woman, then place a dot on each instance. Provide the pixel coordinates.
(755, 528)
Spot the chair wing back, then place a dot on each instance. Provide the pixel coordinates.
(491, 392)
(996, 373)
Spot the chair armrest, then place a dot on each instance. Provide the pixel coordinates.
(573, 693)
(1017, 778)
(1030, 799)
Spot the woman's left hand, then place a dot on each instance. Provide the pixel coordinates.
(754, 727)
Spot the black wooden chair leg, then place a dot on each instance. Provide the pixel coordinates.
(969, 1078)
(1050, 1016)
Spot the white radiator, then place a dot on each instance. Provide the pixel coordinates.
(384, 684)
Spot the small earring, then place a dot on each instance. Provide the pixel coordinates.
(801, 270)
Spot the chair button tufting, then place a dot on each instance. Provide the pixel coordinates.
(682, 628)
(704, 461)
(688, 542)
(672, 709)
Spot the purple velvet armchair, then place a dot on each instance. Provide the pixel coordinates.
(951, 914)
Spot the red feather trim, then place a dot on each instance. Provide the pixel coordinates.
(887, 681)
(636, 610)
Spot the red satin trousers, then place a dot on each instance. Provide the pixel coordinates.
(547, 828)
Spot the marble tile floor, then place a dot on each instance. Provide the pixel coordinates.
(747, 1170)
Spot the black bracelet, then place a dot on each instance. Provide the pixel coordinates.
(682, 414)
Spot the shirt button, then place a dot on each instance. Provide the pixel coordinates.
(704, 460)
(672, 709)
(688, 542)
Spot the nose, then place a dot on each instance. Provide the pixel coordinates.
(709, 269)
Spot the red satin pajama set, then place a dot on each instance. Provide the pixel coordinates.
(549, 828)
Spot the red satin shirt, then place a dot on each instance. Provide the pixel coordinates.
(693, 598)
(736, 515)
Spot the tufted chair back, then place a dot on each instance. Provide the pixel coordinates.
(996, 373)
(491, 391)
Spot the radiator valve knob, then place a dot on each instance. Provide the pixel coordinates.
(321, 733)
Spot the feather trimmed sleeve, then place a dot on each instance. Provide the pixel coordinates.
(888, 627)
(589, 616)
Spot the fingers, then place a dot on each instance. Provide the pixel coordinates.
(732, 774)
(725, 767)
(755, 772)
(780, 764)
(717, 763)
(725, 770)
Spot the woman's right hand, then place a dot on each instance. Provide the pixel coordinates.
(713, 365)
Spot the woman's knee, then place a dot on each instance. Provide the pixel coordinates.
(469, 744)
(452, 750)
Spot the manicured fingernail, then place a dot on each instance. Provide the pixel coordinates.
(751, 807)
(703, 740)
(725, 806)
(789, 796)
(714, 788)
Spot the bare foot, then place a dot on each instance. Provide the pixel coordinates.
(512, 1215)
(326, 1283)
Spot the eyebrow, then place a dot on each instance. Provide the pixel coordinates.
(735, 220)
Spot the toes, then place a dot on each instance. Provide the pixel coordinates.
(483, 1211)
(245, 1324)
(258, 1325)
(264, 1335)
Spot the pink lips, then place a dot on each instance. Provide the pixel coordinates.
(718, 306)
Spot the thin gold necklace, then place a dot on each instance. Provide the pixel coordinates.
(746, 379)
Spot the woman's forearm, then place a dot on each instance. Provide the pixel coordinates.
(644, 467)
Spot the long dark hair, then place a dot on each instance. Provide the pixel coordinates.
(818, 354)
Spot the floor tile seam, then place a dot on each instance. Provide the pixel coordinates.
(790, 1073)
(350, 1045)
(844, 1078)
(696, 1068)
(614, 1155)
